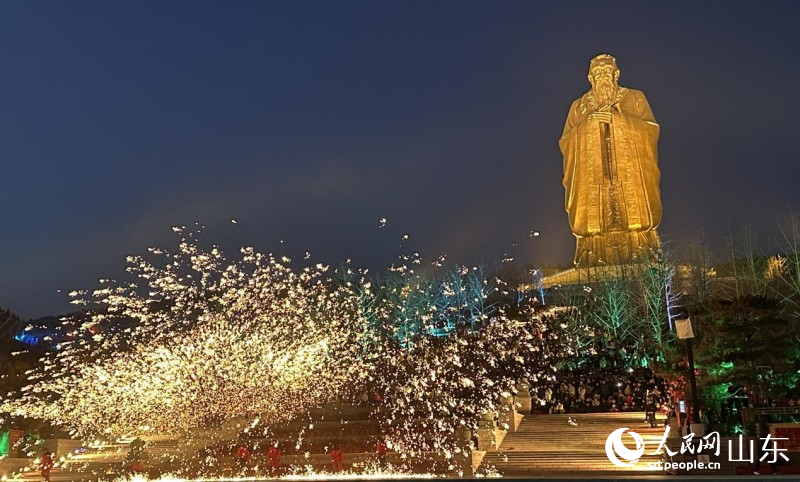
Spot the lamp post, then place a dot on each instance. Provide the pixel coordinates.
(685, 332)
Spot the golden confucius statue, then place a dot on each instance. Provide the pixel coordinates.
(611, 171)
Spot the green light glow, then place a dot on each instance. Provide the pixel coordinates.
(4, 443)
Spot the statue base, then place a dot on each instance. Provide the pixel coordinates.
(586, 275)
(616, 248)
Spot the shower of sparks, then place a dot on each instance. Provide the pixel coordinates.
(306, 475)
(438, 388)
(197, 339)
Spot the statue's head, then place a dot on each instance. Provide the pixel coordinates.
(603, 74)
(603, 67)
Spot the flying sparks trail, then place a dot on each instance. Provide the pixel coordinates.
(198, 339)
(378, 475)
(195, 339)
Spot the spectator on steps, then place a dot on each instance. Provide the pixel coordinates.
(380, 450)
(336, 458)
(650, 411)
(46, 465)
(242, 457)
(762, 430)
(274, 456)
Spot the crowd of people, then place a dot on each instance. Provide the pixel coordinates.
(589, 389)
(594, 382)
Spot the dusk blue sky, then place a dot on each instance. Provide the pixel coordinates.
(309, 121)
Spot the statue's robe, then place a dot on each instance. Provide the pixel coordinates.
(613, 216)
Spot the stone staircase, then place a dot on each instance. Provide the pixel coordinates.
(548, 444)
(108, 459)
(349, 426)
(354, 428)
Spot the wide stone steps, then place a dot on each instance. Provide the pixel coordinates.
(549, 444)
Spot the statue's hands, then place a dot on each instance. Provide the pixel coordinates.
(602, 115)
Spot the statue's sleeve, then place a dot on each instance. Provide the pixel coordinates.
(643, 132)
(643, 109)
(572, 120)
(569, 144)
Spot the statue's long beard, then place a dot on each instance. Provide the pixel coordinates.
(604, 91)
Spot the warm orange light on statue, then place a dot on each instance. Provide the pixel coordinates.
(611, 174)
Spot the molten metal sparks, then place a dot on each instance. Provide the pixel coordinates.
(197, 339)
(380, 475)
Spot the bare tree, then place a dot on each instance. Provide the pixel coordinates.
(609, 309)
(653, 282)
(748, 263)
(699, 272)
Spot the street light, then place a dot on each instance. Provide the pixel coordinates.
(685, 332)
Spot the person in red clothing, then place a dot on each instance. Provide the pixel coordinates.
(336, 457)
(46, 465)
(380, 450)
(137, 467)
(242, 457)
(274, 455)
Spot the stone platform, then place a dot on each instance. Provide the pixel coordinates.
(588, 275)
